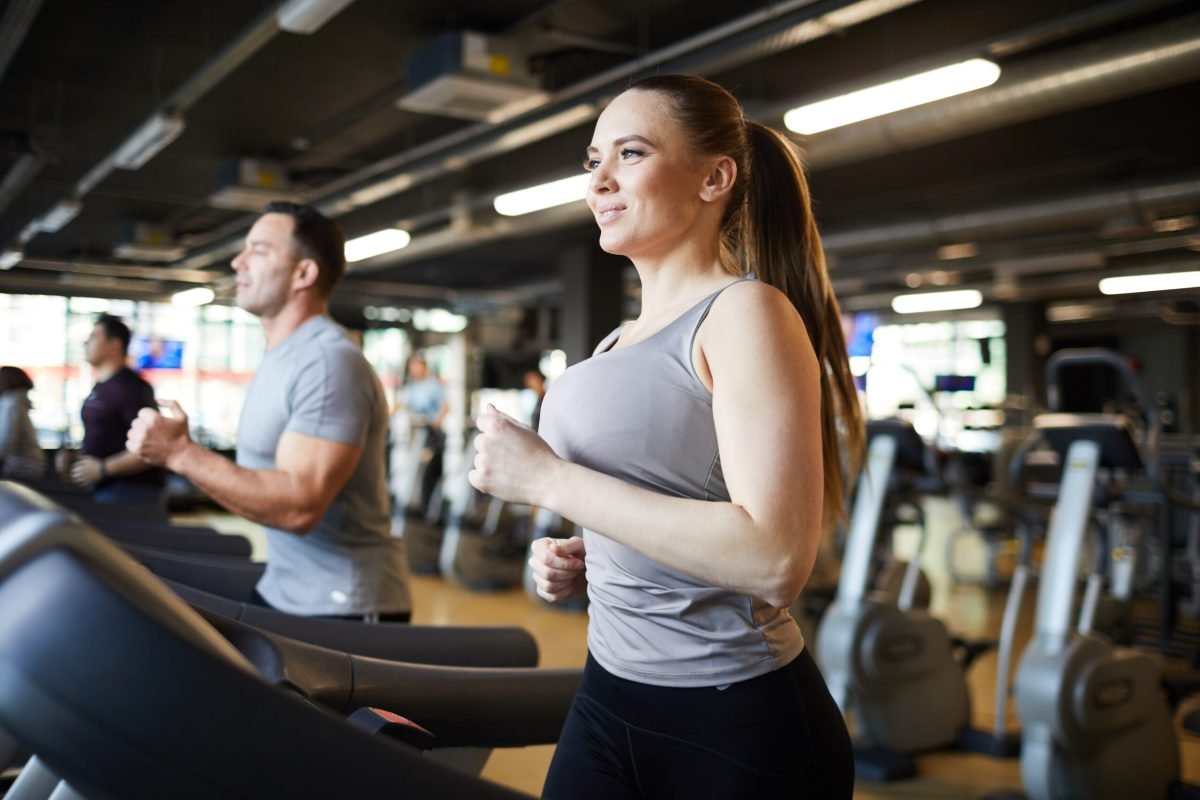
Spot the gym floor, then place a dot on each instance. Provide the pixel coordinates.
(973, 611)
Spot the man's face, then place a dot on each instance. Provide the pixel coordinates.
(266, 266)
(98, 348)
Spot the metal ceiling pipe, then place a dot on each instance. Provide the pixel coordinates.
(466, 146)
(202, 277)
(567, 108)
(248, 42)
(18, 16)
(20, 175)
(771, 30)
(262, 30)
(1122, 66)
(1017, 218)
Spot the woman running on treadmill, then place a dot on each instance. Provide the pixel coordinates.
(698, 448)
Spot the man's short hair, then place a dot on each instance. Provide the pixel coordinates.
(316, 236)
(115, 328)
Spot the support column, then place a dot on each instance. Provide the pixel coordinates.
(1024, 323)
(591, 299)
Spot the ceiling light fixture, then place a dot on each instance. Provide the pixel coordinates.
(543, 196)
(10, 258)
(199, 296)
(148, 141)
(1161, 282)
(936, 301)
(56, 218)
(885, 98)
(377, 243)
(307, 16)
(953, 252)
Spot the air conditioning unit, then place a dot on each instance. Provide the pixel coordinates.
(249, 184)
(146, 242)
(472, 76)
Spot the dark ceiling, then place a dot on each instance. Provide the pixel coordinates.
(1081, 161)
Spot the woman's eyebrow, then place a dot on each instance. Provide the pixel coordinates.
(623, 140)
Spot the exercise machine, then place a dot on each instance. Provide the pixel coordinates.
(888, 663)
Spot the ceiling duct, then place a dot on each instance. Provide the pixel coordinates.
(472, 76)
(146, 242)
(249, 184)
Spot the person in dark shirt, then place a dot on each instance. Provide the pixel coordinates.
(535, 381)
(114, 474)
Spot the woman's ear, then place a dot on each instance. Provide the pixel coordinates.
(718, 183)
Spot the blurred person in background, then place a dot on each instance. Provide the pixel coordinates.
(21, 458)
(103, 464)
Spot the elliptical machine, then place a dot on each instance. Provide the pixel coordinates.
(1095, 723)
(890, 663)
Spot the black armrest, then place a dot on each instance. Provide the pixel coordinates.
(495, 646)
(198, 541)
(462, 706)
(233, 578)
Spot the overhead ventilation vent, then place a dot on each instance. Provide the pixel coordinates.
(146, 242)
(472, 76)
(249, 184)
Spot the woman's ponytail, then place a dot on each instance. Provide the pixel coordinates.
(780, 245)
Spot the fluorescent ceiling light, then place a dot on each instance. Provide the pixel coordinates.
(148, 141)
(439, 320)
(200, 296)
(10, 258)
(936, 301)
(1163, 282)
(875, 101)
(377, 243)
(547, 195)
(54, 219)
(307, 16)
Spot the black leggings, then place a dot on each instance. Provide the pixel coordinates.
(779, 735)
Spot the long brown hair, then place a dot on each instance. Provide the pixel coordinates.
(769, 230)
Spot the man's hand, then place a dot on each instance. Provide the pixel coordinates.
(86, 471)
(158, 439)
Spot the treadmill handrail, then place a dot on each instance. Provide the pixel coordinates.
(44, 526)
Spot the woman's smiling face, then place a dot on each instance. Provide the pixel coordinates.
(645, 187)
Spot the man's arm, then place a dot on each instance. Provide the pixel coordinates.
(309, 471)
(89, 470)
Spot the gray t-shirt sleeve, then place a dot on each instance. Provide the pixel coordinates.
(330, 398)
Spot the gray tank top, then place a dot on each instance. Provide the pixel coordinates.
(642, 414)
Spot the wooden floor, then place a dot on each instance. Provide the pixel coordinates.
(970, 610)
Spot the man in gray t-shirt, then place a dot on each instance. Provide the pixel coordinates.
(312, 437)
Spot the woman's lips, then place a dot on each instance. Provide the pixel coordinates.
(608, 212)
